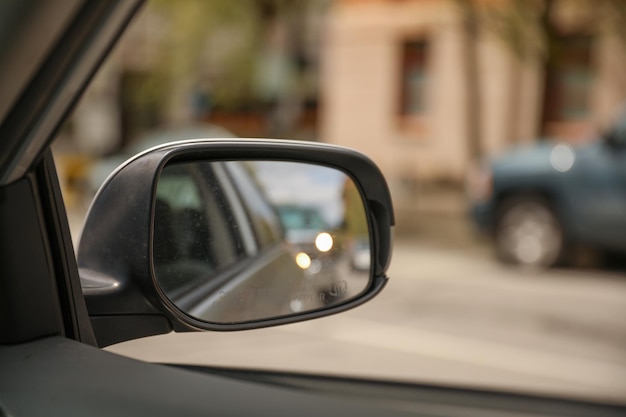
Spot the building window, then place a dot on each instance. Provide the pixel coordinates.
(414, 78)
(569, 79)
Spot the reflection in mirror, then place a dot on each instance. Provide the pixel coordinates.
(240, 241)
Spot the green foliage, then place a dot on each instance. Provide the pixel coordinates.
(527, 27)
(214, 51)
(518, 24)
(187, 52)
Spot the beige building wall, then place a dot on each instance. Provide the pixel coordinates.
(361, 89)
(360, 80)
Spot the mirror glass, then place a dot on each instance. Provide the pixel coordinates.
(238, 241)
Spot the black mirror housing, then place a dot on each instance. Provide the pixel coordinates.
(115, 255)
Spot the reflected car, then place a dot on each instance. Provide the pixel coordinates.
(309, 235)
(307, 231)
(538, 203)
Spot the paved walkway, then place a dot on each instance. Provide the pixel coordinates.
(437, 217)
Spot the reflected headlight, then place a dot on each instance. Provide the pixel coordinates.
(324, 242)
(303, 260)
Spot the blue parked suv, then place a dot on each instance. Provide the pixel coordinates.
(538, 202)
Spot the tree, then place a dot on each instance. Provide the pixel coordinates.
(530, 31)
(220, 46)
(473, 106)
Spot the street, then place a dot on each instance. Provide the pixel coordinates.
(448, 316)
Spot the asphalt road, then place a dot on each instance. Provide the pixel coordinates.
(447, 316)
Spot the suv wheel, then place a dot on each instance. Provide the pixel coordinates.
(528, 233)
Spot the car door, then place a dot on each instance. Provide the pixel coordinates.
(597, 194)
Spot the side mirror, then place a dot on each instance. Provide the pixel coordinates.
(233, 235)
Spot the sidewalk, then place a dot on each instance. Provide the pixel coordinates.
(437, 216)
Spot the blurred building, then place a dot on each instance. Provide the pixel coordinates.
(250, 67)
(396, 84)
(392, 78)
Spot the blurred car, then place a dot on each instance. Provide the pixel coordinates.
(102, 168)
(539, 202)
